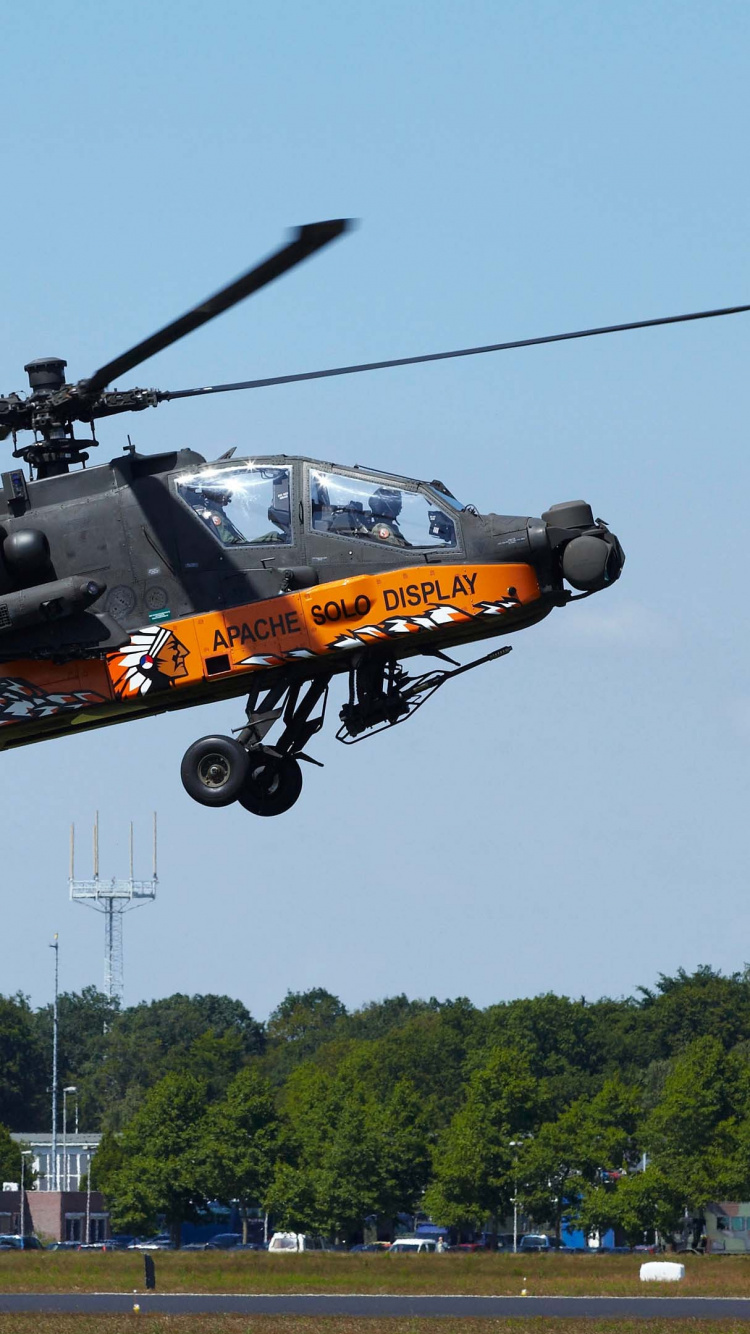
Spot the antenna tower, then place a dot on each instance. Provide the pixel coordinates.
(113, 898)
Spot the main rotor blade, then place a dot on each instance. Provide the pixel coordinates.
(305, 241)
(445, 356)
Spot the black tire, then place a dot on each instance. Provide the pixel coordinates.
(214, 770)
(273, 783)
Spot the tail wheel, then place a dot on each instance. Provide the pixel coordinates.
(214, 770)
(273, 783)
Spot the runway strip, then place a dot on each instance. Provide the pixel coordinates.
(99, 1303)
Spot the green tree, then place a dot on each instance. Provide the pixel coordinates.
(216, 1060)
(24, 1066)
(106, 1163)
(688, 1006)
(473, 1160)
(161, 1147)
(378, 1018)
(431, 1051)
(347, 1177)
(239, 1145)
(642, 1203)
(568, 1161)
(349, 1153)
(698, 1135)
(10, 1161)
(207, 1036)
(83, 1019)
(303, 1022)
(548, 1170)
(405, 1135)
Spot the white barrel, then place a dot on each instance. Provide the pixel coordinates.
(662, 1271)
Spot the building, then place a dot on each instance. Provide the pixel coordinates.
(727, 1228)
(56, 1215)
(57, 1209)
(74, 1154)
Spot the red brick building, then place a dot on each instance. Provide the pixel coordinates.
(56, 1215)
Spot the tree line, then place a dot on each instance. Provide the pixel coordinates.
(624, 1112)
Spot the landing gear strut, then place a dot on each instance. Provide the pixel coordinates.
(266, 780)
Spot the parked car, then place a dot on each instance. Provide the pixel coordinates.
(502, 1242)
(64, 1246)
(224, 1241)
(10, 1241)
(162, 1242)
(538, 1241)
(371, 1246)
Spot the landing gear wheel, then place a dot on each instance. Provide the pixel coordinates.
(273, 783)
(214, 770)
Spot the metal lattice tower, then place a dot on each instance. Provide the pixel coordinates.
(113, 898)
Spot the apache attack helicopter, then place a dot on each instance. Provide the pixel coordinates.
(161, 581)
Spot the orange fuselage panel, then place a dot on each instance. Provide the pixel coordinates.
(401, 610)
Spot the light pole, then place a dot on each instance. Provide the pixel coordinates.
(88, 1148)
(55, 1169)
(71, 1088)
(516, 1144)
(25, 1153)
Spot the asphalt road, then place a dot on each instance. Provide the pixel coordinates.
(96, 1303)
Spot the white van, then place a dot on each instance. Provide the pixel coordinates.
(297, 1241)
(413, 1246)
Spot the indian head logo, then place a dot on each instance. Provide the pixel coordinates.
(153, 660)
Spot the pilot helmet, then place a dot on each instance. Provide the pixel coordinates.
(385, 503)
(215, 495)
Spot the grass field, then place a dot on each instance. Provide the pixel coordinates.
(161, 1324)
(481, 1274)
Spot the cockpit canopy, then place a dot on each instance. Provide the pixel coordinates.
(250, 502)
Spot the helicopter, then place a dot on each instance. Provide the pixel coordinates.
(162, 581)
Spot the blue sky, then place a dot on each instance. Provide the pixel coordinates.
(574, 817)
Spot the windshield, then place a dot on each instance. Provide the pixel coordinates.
(369, 508)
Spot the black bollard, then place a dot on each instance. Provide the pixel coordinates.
(150, 1268)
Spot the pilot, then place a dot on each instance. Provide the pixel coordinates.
(385, 507)
(209, 503)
